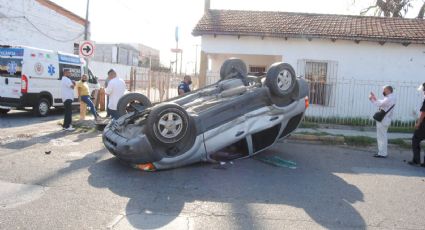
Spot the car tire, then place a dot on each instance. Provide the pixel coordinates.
(126, 102)
(42, 107)
(168, 124)
(4, 111)
(233, 68)
(281, 79)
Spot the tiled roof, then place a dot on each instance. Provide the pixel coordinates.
(305, 25)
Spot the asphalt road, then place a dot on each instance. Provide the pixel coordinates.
(79, 185)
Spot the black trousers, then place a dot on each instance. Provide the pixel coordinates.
(418, 136)
(68, 113)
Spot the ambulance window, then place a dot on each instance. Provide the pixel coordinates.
(74, 69)
(10, 67)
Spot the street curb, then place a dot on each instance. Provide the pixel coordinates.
(311, 137)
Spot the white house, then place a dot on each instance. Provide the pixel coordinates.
(41, 24)
(344, 57)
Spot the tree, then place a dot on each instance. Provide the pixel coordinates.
(393, 8)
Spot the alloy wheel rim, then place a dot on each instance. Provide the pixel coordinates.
(284, 80)
(170, 125)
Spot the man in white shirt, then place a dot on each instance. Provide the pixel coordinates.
(115, 90)
(67, 90)
(387, 104)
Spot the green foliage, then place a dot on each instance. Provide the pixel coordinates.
(360, 141)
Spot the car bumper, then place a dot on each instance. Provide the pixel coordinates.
(137, 150)
(26, 100)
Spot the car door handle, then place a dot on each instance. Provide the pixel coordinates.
(274, 118)
(239, 133)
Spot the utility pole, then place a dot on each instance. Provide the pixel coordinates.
(86, 25)
(86, 32)
(181, 61)
(177, 45)
(196, 59)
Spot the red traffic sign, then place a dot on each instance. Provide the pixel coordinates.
(86, 49)
(176, 50)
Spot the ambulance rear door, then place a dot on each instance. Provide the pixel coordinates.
(11, 60)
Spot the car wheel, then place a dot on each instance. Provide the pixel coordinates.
(167, 123)
(42, 107)
(233, 68)
(132, 102)
(281, 79)
(4, 111)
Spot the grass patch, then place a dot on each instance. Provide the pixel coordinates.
(397, 126)
(400, 142)
(400, 130)
(314, 133)
(360, 141)
(309, 125)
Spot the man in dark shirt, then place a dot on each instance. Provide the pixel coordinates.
(419, 134)
(184, 85)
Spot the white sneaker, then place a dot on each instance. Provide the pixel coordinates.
(70, 128)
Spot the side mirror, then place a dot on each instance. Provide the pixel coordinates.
(93, 80)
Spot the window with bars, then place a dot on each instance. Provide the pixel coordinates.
(317, 72)
(257, 69)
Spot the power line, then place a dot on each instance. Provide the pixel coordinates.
(42, 32)
(45, 34)
(62, 25)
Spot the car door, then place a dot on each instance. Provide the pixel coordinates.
(11, 60)
(225, 135)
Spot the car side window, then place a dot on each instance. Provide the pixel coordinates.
(74, 69)
(92, 78)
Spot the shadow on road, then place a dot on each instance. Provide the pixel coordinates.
(313, 187)
(26, 117)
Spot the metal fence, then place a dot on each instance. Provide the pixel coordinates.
(157, 86)
(345, 101)
(341, 101)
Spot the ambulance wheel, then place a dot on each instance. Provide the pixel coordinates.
(42, 107)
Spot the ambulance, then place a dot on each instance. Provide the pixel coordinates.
(31, 77)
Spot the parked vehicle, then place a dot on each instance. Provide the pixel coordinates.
(31, 77)
(237, 117)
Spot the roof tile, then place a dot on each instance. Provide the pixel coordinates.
(286, 24)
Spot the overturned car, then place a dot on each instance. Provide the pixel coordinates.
(237, 117)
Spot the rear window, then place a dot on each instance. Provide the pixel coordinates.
(10, 67)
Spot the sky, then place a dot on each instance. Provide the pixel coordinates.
(153, 22)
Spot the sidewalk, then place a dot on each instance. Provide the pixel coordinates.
(349, 133)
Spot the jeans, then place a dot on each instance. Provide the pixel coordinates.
(418, 136)
(67, 120)
(108, 111)
(90, 104)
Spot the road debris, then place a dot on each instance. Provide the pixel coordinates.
(277, 161)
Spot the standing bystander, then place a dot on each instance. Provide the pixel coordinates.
(83, 93)
(184, 86)
(419, 134)
(67, 89)
(386, 104)
(115, 90)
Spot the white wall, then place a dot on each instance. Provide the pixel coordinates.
(61, 31)
(367, 60)
(100, 70)
(250, 60)
(373, 64)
